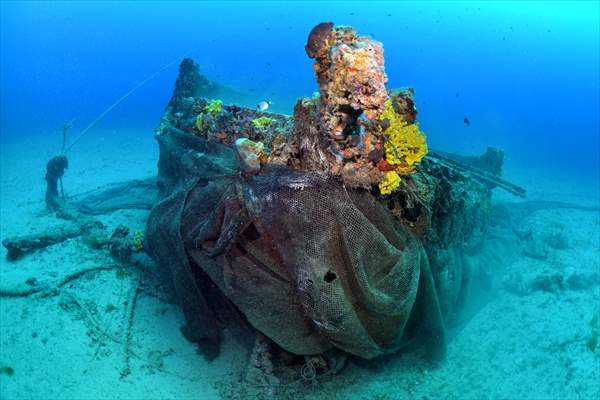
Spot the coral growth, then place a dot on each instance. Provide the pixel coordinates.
(138, 240)
(199, 121)
(213, 107)
(374, 136)
(351, 76)
(389, 183)
(250, 154)
(319, 40)
(262, 122)
(404, 145)
(354, 128)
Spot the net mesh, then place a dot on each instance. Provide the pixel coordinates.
(311, 264)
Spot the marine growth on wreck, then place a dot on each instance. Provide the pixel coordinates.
(355, 129)
(338, 200)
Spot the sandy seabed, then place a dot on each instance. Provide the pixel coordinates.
(530, 341)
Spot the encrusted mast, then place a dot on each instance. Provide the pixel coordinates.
(351, 76)
(375, 138)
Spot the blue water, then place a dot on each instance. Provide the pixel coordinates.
(524, 74)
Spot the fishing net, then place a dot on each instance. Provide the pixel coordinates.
(309, 262)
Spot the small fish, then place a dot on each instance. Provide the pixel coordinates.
(179, 114)
(466, 121)
(457, 95)
(263, 105)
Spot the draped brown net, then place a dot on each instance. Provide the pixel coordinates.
(311, 263)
